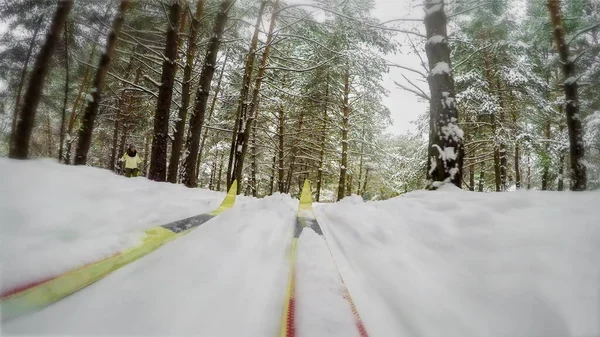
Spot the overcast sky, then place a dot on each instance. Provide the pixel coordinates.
(405, 106)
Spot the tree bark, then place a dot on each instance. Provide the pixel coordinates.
(220, 170)
(22, 134)
(546, 162)
(578, 169)
(280, 130)
(185, 94)
(345, 126)
(322, 142)
(253, 165)
(84, 140)
(481, 177)
(272, 181)
(66, 96)
(22, 79)
(190, 178)
(160, 140)
(248, 112)
(446, 145)
(213, 105)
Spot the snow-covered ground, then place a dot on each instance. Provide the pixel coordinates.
(445, 263)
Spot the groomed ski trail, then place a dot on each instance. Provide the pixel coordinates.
(236, 262)
(318, 302)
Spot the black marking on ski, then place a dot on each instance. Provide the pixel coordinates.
(185, 224)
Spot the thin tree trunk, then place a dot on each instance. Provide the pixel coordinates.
(294, 151)
(446, 145)
(561, 161)
(272, 181)
(84, 140)
(322, 143)
(213, 104)
(248, 111)
(220, 170)
(489, 79)
(213, 174)
(364, 188)
(578, 169)
(471, 178)
(160, 140)
(280, 130)
(360, 163)
(22, 79)
(253, 165)
(22, 134)
(242, 110)
(48, 134)
(546, 162)
(206, 75)
(481, 177)
(345, 126)
(178, 134)
(66, 97)
(117, 124)
(502, 147)
(528, 172)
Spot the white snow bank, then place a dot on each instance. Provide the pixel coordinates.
(225, 278)
(471, 264)
(55, 217)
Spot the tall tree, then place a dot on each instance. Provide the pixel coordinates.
(158, 162)
(22, 135)
(208, 69)
(91, 111)
(578, 169)
(185, 93)
(446, 138)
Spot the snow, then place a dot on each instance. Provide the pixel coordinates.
(436, 39)
(441, 68)
(428, 263)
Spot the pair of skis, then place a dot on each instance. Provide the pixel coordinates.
(306, 220)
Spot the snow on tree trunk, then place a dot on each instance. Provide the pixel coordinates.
(446, 143)
(22, 135)
(578, 169)
(345, 126)
(84, 140)
(213, 104)
(241, 120)
(160, 141)
(280, 130)
(178, 134)
(248, 108)
(66, 93)
(208, 69)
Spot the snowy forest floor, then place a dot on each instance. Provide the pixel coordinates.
(445, 263)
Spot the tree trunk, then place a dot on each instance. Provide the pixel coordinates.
(213, 174)
(364, 188)
(220, 170)
(446, 145)
(248, 113)
(471, 178)
(546, 162)
(578, 169)
(502, 147)
(272, 181)
(147, 142)
(528, 172)
(22, 79)
(517, 167)
(84, 140)
(22, 134)
(185, 94)
(160, 140)
(213, 104)
(253, 165)
(481, 177)
(208, 69)
(345, 126)
(293, 153)
(66, 96)
(322, 145)
(123, 100)
(280, 182)
(242, 110)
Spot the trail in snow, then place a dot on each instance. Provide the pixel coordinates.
(225, 278)
(471, 264)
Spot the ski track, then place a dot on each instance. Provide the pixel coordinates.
(487, 265)
(225, 278)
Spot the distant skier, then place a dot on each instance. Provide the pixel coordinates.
(132, 159)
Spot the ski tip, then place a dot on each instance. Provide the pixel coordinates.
(229, 200)
(306, 196)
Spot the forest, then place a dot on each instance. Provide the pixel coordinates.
(271, 92)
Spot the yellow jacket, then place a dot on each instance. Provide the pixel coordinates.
(131, 162)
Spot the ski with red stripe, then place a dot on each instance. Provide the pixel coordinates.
(306, 219)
